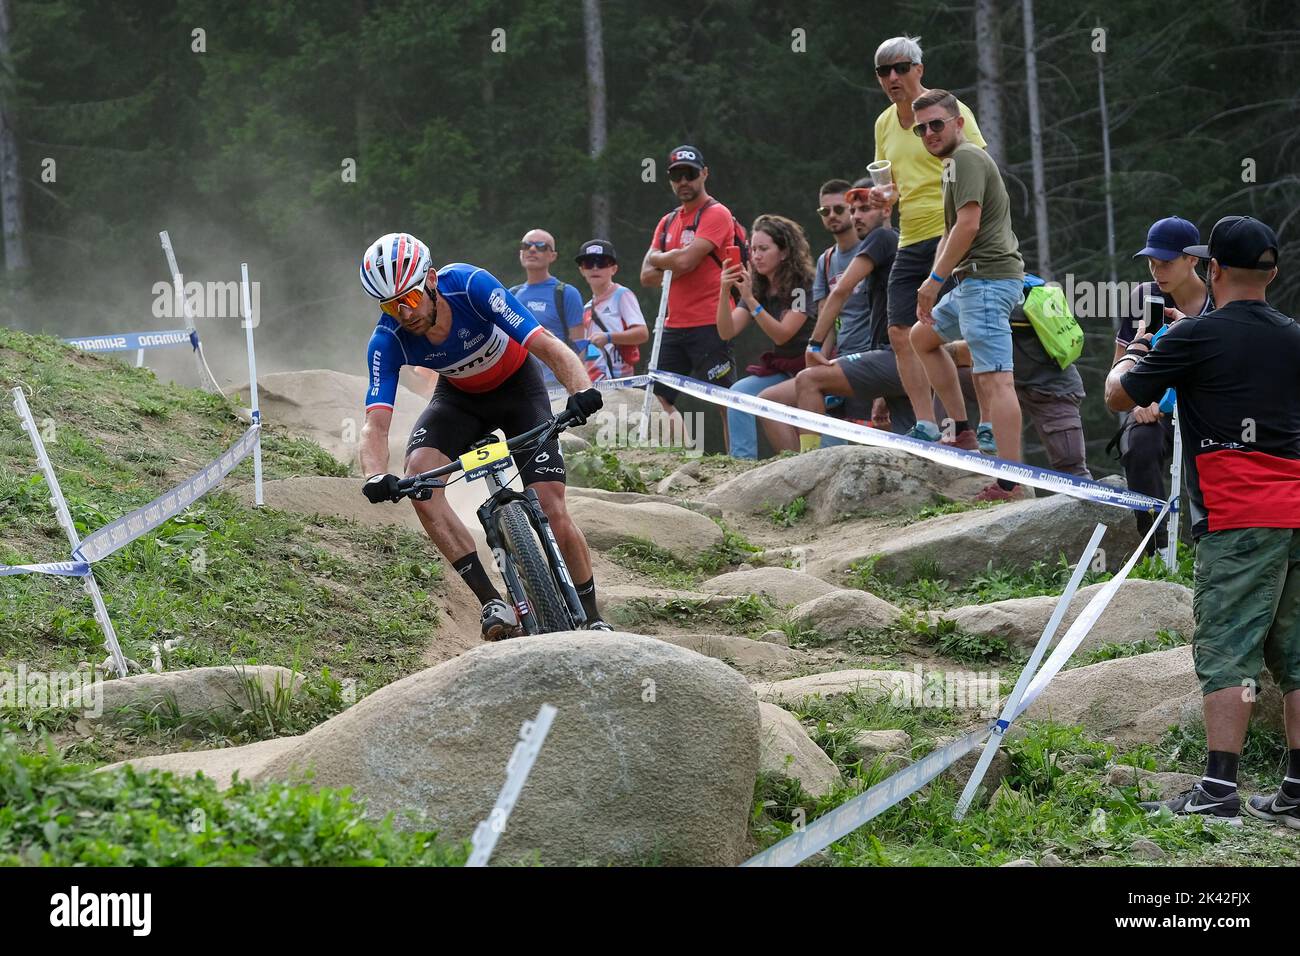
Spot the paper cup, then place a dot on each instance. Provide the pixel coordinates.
(880, 172)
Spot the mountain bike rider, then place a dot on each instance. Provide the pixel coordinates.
(462, 323)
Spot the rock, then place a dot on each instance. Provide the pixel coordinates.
(1147, 850)
(786, 749)
(740, 652)
(679, 481)
(775, 637)
(781, 586)
(220, 766)
(185, 700)
(341, 497)
(570, 442)
(842, 481)
(869, 744)
(1135, 700)
(621, 603)
(1013, 535)
(1151, 786)
(1138, 610)
(706, 508)
(618, 423)
(963, 768)
(1051, 859)
(876, 684)
(1020, 862)
(837, 612)
(685, 534)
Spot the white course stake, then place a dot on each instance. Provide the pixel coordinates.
(252, 383)
(65, 521)
(531, 737)
(1009, 709)
(205, 374)
(660, 319)
(1175, 483)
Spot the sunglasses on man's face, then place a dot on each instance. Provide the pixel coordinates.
(596, 262)
(837, 209)
(538, 244)
(935, 126)
(684, 173)
(901, 67)
(412, 300)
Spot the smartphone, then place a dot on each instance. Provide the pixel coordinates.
(1155, 311)
(732, 253)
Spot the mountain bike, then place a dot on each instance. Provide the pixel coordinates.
(517, 529)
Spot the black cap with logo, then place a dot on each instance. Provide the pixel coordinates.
(686, 156)
(1239, 242)
(595, 247)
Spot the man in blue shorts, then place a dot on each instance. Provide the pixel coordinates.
(462, 323)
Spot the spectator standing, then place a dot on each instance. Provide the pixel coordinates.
(611, 318)
(556, 305)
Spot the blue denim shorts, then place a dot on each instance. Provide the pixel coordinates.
(979, 311)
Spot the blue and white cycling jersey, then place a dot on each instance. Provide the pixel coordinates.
(490, 332)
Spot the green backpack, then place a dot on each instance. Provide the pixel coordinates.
(1048, 312)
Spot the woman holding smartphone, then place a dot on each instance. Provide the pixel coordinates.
(774, 293)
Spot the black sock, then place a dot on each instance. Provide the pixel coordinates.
(587, 595)
(1221, 773)
(1291, 787)
(472, 572)
(1007, 485)
(962, 426)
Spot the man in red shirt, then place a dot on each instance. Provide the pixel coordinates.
(690, 242)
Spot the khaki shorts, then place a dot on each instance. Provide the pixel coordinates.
(1247, 607)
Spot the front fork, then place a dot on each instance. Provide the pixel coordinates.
(542, 525)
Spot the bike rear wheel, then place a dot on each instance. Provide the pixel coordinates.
(549, 611)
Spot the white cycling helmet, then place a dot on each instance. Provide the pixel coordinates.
(394, 265)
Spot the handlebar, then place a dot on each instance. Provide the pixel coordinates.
(422, 485)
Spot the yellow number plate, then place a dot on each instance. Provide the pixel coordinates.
(479, 461)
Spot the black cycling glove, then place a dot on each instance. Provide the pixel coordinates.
(584, 404)
(381, 488)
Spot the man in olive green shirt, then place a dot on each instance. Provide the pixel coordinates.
(980, 250)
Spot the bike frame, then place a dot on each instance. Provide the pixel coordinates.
(421, 486)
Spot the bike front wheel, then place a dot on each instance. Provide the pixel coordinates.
(549, 612)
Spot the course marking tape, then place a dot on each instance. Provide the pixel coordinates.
(134, 341)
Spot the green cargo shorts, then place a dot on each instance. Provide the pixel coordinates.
(1247, 607)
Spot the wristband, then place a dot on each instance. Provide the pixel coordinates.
(757, 309)
(814, 346)
(1136, 353)
(1124, 358)
(938, 279)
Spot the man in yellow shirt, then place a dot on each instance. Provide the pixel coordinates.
(918, 189)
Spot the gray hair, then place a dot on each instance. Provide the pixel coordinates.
(899, 48)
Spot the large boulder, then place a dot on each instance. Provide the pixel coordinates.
(841, 611)
(685, 534)
(743, 653)
(1013, 535)
(185, 699)
(1138, 610)
(844, 480)
(220, 766)
(636, 498)
(623, 604)
(652, 756)
(786, 749)
(780, 586)
(877, 685)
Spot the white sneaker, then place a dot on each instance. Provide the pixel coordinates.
(499, 620)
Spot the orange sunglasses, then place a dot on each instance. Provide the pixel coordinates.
(411, 299)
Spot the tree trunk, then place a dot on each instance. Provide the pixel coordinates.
(11, 184)
(1105, 159)
(597, 131)
(988, 78)
(1036, 145)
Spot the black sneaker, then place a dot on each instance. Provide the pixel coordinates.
(1197, 802)
(598, 625)
(499, 620)
(1277, 808)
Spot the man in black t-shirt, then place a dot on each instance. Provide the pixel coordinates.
(1236, 372)
(1145, 439)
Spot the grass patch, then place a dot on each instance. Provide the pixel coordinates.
(54, 813)
(646, 557)
(926, 586)
(601, 468)
(750, 614)
(944, 507)
(1163, 641)
(1263, 756)
(786, 516)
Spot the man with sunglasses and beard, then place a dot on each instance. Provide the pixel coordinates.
(917, 189)
(485, 347)
(690, 242)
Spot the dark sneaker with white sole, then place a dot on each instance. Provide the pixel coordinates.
(598, 625)
(1197, 802)
(1278, 808)
(499, 621)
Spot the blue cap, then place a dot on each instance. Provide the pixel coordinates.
(1168, 238)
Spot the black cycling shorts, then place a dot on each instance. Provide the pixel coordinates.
(699, 353)
(455, 419)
